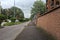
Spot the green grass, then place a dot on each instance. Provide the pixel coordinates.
(46, 34)
(11, 23)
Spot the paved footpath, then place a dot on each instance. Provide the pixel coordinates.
(32, 33)
(10, 32)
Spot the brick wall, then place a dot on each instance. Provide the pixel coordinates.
(51, 22)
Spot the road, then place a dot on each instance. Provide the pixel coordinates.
(11, 32)
(31, 32)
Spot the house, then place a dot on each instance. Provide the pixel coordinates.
(51, 4)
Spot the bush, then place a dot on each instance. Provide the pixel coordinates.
(17, 23)
(2, 17)
(11, 23)
(21, 19)
(27, 19)
(13, 19)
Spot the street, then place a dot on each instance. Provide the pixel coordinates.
(10, 32)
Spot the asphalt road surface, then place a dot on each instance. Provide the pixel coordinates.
(10, 32)
(31, 32)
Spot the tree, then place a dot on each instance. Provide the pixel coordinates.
(18, 12)
(10, 12)
(6, 12)
(38, 7)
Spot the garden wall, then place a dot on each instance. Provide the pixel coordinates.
(51, 22)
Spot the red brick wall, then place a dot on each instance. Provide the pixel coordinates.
(51, 22)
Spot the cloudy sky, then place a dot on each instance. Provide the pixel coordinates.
(25, 5)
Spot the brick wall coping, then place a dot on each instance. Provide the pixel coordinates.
(50, 11)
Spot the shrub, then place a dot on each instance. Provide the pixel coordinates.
(13, 19)
(2, 17)
(11, 23)
(21, 19)
(27, 19)
(17, 23)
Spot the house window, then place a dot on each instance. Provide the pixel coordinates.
(46, 0)
(57, 3)
(52, 2)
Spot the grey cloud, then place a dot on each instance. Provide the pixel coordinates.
(25, 5)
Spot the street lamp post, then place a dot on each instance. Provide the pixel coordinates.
(0, 7)
(14, 8)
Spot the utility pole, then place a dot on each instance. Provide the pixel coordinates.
(14, 8)
(0, 7)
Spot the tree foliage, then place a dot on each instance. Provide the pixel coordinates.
(38, 7)
(18, 12)
(10, 12)
(2, 17)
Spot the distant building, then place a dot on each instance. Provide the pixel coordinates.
(51, 4)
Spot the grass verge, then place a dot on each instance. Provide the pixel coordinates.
(11, 23)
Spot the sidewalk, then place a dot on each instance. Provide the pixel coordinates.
(32, 33)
